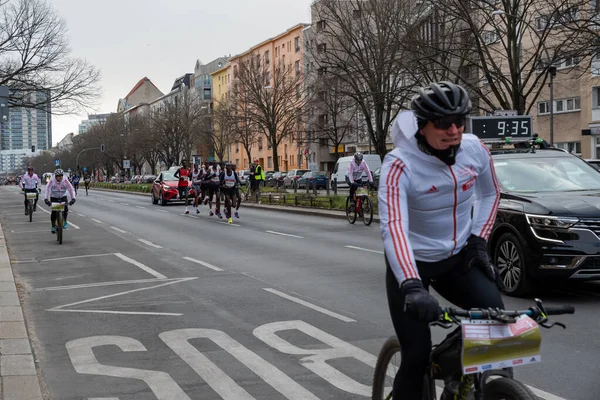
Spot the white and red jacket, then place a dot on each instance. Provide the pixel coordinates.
(355, 172)
(58, 189)
(30, 182)
(425, 205)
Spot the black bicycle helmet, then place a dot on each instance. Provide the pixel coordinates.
(58, 172)
(440, 99)
(358, 157)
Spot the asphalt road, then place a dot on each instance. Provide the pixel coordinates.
(143, 302)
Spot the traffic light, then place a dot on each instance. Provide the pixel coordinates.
(102, 148)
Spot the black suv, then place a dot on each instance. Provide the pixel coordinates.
(548, 222)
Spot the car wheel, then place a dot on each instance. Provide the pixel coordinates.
(154, 199)
(509, 258)
(162, 200)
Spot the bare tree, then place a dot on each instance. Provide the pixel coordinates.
(35, 62)
(176, 128)
(332, 114)
(501, 51)
(245, 130)
(360, 42)
(224, 124)
(274, 96)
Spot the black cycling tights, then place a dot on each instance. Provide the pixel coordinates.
(471, 290)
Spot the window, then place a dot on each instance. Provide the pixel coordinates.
(571, 147)
(356, 14)
(543, 107)
(322, 48)
(267, 57)
(321, 25)
(322, 119)
(269, 162)
(572, 104)
(260, 143)
(268, 79)
(283, 61)
(235, 71)
(258, 60)
(207, 95)
(297, 43)
(298, 69)
(490, 37)
(207, 79)
(237, 147)
(298, 92)
(542, 22)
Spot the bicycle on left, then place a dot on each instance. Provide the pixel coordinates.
(30, 184)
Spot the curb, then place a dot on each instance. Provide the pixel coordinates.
(18, 373)
(286, 209)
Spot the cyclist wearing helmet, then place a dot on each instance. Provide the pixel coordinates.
(355, 171)
(430, 184)
(56, 191)
(30, 182)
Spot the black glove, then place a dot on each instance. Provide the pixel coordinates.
(22, 189)
(47, 202)
(418, 303)
(476, 256)
(72, 202)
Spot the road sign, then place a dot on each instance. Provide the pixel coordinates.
(500, 127)
(57, 163)
(126, 164)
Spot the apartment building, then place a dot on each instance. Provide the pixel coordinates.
(284, 51)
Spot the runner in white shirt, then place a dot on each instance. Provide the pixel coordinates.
(228, 180)
(438, 198)
(30, 183)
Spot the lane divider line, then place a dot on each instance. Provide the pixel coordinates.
(117, 229)
(205, 264)
(148, 243)
(363, 249)
(309, 305)
(97, 221)
(141, 266)
(285, 234)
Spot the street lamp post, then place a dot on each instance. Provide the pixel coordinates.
(552, 72)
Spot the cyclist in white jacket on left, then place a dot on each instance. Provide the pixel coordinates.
(56, 191)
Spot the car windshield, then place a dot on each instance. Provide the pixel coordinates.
(168, 176)
(546, 174)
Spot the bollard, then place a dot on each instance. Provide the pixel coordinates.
(327, 183)
(330, 203)
(295, 184)
(335, 187)
(307, 186)
(269, 198)
(315, 187)
(296, 200)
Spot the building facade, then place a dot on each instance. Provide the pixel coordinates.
(285, 51)
(143, 92)
(28, 127)
(93, 119)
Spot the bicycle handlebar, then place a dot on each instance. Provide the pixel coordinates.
(533, 312)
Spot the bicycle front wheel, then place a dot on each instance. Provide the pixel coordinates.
(387, 365)
(350, 210)
(30, 210)
(59, 228)
(507, 389)
(367, 211)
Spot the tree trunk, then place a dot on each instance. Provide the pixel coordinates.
(275, 159)
(248, 153)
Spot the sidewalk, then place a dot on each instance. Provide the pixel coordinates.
(17, 369)
(319, 212)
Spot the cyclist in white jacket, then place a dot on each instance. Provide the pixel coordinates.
(430, 185)
(56, 191)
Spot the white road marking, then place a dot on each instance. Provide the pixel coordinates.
(97, 221)
(225, 223)
(285, 234)
(112, 201)
(125, 204)
(162, 211)
(363, 249)
(100, 284)
(81, 215)
(117, 229)
(39, 230)
(29, 223)
(121, 312)
(44, 210)
(103, 398)
(73, 225)
(141, 266)
(544, 395)
(140, 207)
(146, 242)
(73, 257)
(61, 308)
(309, 305)
(207, 265)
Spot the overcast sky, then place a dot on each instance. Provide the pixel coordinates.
(162, 39)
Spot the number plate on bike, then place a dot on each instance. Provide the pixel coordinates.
(58, 206)
(362, 191)
(494, 345)
(31, 195)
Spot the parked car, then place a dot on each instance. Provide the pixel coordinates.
(164, 189)
(310, 177)
(277, 179)
(243, 176)
(292, 176)
(548, 222)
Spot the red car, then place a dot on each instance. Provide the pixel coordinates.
(164, 189)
